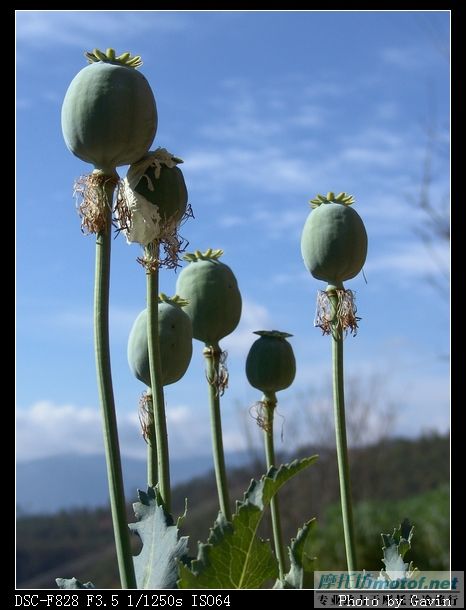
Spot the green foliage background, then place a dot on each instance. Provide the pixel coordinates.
(391, 480)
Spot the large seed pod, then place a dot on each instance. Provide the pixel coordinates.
(214, 298)
(175, 336)
(109, 116)
(271, 365)
(334, 239)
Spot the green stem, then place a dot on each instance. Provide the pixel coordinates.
(151, 443)
(155, 366)
(270, 401)
(212, 357)
(340, 433)
(107, 403)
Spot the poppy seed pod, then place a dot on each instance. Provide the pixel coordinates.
(167, 191)
(334, 240)
(156, 197)
(214, 298)
(271, 365)
(109, 115)
(175, 335)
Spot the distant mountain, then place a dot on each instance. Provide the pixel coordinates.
(63, 482)
(393, 479)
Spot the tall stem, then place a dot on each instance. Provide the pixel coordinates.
(212, 361)
(107, 403)
(340, 432)
(155, 366)
(270, 401)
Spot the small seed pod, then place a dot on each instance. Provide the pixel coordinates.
(334, 240)
(214, 299)
(271, 365)
(163, 185)
(109, 115)
(175, 336)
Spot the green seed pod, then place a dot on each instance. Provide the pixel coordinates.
(334, 239)
(271, 365)
(175, 336)
(156, 194)
(213, 294)
(109, 116)
(167, 191)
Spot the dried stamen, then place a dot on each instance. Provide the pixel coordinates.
(343, 318)
(220, 378)
(92, 201)
(145, 415)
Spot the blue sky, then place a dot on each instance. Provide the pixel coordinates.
(266, 109)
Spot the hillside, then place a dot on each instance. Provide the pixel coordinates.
(391, 480)
(66, 482)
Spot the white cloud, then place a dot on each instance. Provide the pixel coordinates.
(269, 169)
(251, 115)
(23, 103)
(202, 161)
(80, 320)
(52, 96)
(371, 156)
(266, 147)
(386, 209)
(380, 137)
(387, 111)
(410, 259)
(178, 415)
(402, 57)
(429, 406)
(245, 121)
(283, 171)
(234, 440)
(326, 89)
(385, 396)
(380, 165)
(47, 429)
(278, 222)
(308, 116)
(72, 320)
(283, 279)
(240, 126)
(232, 221)
(84, 28)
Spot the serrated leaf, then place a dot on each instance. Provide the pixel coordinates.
(73, 583)
(394, 564)
(301, 560)
(234, 556)
(261, 492)
(395, 546)
(156, 566)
